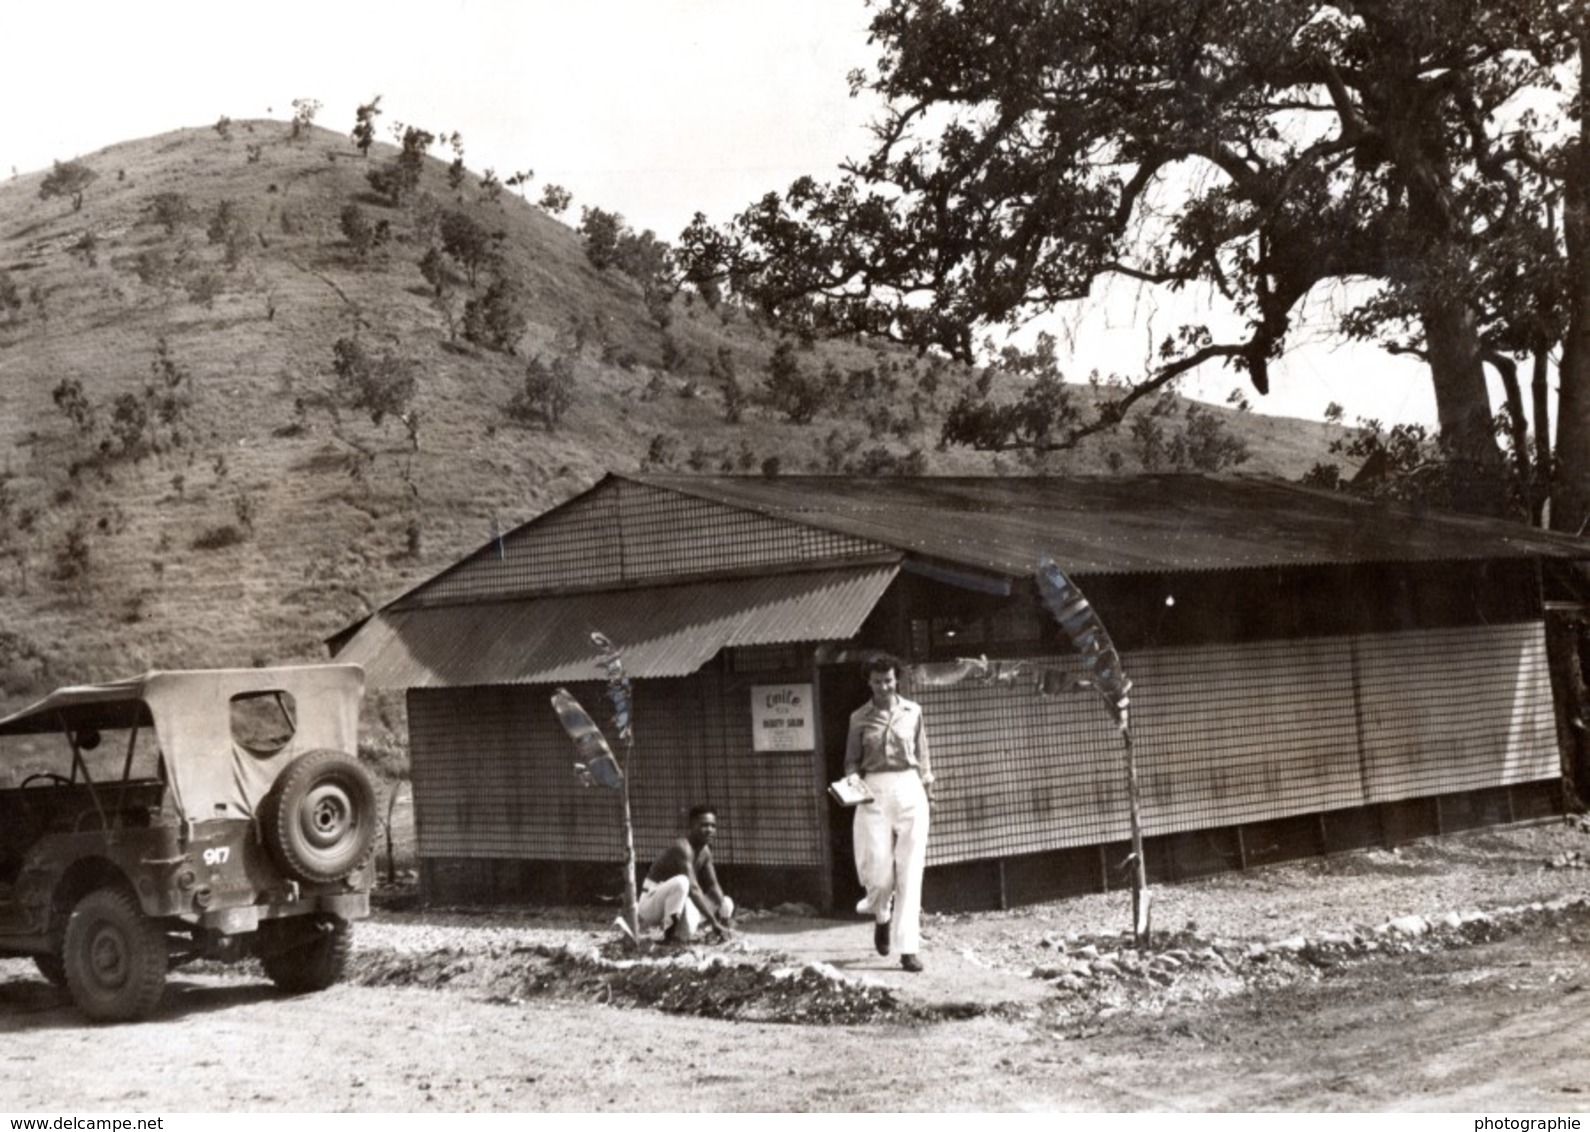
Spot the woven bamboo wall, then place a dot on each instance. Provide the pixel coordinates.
(627, 532)
(1241, 733)
(493, 777)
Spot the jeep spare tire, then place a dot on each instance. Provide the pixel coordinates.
(320, 819)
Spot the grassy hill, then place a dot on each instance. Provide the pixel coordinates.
(177, 490)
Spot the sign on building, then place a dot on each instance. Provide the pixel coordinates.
(781, 717)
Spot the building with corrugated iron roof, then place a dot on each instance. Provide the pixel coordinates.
(1312, 672)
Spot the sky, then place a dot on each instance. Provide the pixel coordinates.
(655, 109)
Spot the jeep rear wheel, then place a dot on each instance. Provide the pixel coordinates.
(320, 823)
(319, 962)
(115, 957)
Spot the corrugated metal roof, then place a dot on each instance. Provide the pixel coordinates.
(659, 630)
(1124, 524)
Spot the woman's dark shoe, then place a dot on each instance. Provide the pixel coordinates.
(911, 963)
(880, 937)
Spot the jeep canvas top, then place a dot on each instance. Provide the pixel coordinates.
(217, 813)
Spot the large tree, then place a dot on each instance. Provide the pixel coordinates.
(1032, 149)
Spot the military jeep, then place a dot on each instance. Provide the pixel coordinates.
(185, 815)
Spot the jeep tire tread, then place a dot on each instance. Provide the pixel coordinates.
(319, 963)
(320, 819)
(115, 957)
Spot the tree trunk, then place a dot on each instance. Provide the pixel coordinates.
(1570, 499)
(1463, 406)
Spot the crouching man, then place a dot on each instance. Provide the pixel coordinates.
(681, 890)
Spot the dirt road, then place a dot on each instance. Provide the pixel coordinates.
(1449, 975)
(1495, 1027)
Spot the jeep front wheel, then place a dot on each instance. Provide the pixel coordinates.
(115, 957)
(319, 962)
(321, 822)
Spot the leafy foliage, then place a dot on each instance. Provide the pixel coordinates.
(229, 228)
(1031, 152)
(398, 178)
(792, 390)
(364, 125)
(496, 319)
(601, 230)
(171, 210)
(555, 199)
(470, 243)
(380, 385)
(363, 237)
(546, 394)
(304, 112)
(68, 179)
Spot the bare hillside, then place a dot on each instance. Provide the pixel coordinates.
(186, 483)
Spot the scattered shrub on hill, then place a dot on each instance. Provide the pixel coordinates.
(304, 111)
(645, 259)
(1210, 445)
(436, 270)
(1202, 443)
(496, 320)
(662, 453)
(398, 178)
(218, 538)
(363, 237)
(68, 179)
(470, 243)
(721, 369)
(364, 125)
(600, 229)
(490, 187)
(74, 557)
(545, 395)
(791, 390)
(380, 386)
(609, 242)
(555, 199)
(154, 267)
(171, 211)
(229, 228)
(519, 179)
(129, 422)
(74, 405)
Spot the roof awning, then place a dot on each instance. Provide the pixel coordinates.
(658, 630)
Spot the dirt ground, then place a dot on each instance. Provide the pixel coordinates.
(1447, 975)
